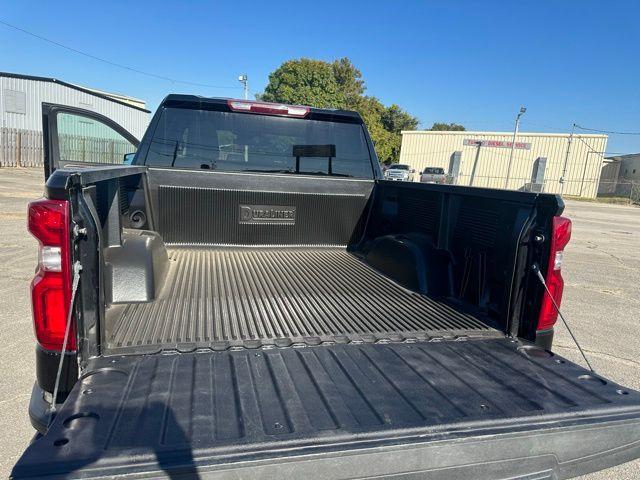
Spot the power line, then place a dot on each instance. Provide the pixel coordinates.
(591, 150)
(581, 128)
(114, 64)
(607, 131)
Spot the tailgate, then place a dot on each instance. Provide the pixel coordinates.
(454, 409)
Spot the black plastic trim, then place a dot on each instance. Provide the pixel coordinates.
(541, 199)
(47, 362)
(39, 409)
(544, 338)
(61, 180)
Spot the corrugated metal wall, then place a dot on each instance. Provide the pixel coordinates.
(36, 92)
(422, 149)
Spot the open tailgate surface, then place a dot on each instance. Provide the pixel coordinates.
(340, 411)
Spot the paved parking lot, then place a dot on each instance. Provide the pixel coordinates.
(602, 303)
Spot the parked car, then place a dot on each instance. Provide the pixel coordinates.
(274, 310)
(433, 175)
(399, 172)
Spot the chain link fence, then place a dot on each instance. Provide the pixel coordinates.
(581, 187)
(622, 189)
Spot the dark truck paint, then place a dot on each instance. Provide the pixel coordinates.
(272, 308)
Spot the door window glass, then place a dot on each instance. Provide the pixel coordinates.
(84, 139)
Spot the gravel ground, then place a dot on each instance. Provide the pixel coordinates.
(601, 302)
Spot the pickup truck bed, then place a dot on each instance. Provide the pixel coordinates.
(283, 313)
(335, 408)
(229, 297)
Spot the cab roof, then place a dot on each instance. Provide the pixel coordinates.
(222, 104)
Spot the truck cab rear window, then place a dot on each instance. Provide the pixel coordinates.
(240, 142)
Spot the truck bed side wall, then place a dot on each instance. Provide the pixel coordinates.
(457, 242)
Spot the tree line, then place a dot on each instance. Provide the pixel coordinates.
(339, 84)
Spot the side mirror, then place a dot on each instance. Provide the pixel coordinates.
(128, 158)
(413, 170)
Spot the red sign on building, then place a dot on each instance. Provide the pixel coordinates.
(496, 144)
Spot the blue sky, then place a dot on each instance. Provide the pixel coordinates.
(469, 62)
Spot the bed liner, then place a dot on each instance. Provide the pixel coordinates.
(218, 297)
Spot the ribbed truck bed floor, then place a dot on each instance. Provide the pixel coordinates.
(225, 297)
(488, 407)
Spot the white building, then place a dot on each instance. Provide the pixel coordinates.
(540, 161)
(21, 98)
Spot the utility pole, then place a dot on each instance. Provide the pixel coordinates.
(566, 159)
(513, 145)
(475, 162)
(244, 80)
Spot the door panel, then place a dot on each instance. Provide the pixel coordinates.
(73, 136)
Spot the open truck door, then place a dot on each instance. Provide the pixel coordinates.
(77, 137)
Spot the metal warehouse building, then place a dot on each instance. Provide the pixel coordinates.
(629, 166)
(621, 177)
(540, 161)
(21, 98)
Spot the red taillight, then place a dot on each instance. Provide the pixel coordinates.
(51, 288)
(560, 236)
(268, 108)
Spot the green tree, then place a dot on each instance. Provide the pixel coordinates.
(447, 127)
(394, 120)
(372, 110)
(340, 85)
(304, 82)
(349, 80)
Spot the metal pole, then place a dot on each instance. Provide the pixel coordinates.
(584, 172)
(244, 79)
(513, 145)
(566, 159)
(475, 163)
